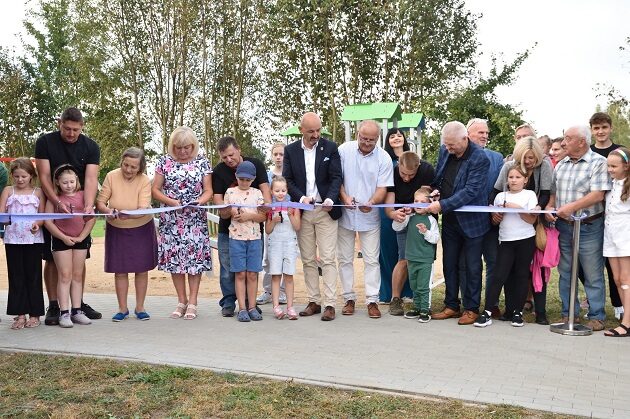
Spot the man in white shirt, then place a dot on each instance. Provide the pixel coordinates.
(367, 172)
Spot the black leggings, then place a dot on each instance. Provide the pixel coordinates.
(512, 270)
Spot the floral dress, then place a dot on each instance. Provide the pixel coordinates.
(183, 237)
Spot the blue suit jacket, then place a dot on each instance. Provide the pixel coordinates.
(328, 176)
(469, 189)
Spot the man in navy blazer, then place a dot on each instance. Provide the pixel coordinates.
(312, 168)
(460, 179)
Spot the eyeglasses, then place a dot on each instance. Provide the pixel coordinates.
(367, 140)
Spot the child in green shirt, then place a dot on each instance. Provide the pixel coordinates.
(423, 234)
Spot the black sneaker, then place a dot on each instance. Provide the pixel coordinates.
(228, 311)
(541, 318)
(412, 314)
(424, 317)
(89, 312)
(52, 315)
(484, 319)
(517, 319)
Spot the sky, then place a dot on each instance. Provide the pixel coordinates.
(575, 47)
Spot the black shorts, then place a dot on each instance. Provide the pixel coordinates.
(59, 245)
(47, 247)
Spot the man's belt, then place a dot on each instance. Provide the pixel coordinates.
(587, 220)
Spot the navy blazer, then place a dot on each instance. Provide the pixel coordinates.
(469, 189)
(328, 176)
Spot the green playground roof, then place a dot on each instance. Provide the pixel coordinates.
(377, 111)
(410, 120)
(294, 131)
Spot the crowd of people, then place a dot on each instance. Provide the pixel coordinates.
(572, 176)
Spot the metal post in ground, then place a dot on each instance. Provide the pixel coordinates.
(570, 327)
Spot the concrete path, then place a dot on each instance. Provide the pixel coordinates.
(529, 367)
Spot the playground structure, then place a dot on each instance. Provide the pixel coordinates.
(389, 114)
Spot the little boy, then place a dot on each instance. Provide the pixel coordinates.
(422, 236)
(245, 239)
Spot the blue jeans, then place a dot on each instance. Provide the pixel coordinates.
(592, 263)
(454, 244)
(226, 278)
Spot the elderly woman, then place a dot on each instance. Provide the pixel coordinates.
(183, 177)
(130, 242)
(529, 155)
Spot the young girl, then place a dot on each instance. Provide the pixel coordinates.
(617, 233)
(70, 243)
(22, 239)
(282, 223)
(516, 250)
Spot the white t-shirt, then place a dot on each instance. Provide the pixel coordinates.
(513, 227)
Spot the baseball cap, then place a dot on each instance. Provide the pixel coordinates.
(246, 170)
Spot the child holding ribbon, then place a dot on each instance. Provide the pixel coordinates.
(282, 224)
(516, 249)
(245, 239)
(22, 243)
(617, 233)
(70, 243)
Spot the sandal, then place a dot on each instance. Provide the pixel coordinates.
(33, 321)
(191, 312)
(612, 333)
(179, 311)
(291, 314)
(528, 306)
(278, 312)
(19, 323)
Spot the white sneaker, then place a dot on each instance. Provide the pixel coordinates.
(80, 318)
(282, 298)
(264, 298)
(618, 312)
(65, 320)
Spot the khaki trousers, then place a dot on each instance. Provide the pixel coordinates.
(318, 234)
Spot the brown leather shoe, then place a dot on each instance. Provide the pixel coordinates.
(468, 317)
(348, 308)
(446, 313)
(373, 311)
(311, 308)
(329, 314)
(596, 325)
(576, 319)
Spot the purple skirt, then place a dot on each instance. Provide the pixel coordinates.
(130, 250)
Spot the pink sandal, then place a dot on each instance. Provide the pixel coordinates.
(292, 314)
(278, 312)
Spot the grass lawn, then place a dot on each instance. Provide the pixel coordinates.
(99, 228)
(66, 387)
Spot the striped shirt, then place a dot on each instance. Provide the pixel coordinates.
(573, 180)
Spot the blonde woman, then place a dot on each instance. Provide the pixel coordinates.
(183, 177)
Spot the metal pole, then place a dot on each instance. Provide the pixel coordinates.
(571, 328)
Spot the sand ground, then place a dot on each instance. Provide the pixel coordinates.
(160, 282)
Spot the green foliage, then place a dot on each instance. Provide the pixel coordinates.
(140, 68)
(479, 101)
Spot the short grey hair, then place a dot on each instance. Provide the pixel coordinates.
(369, 122)
(584, 131)
(135, 153)
(474, 121)
(453, 129)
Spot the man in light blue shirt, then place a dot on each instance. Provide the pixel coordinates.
(367, 172)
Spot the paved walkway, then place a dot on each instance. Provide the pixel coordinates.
(529, 367)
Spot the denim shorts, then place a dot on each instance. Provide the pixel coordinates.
(401, 239)
(246, 255)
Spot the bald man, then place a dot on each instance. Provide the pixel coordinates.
(313, 171)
